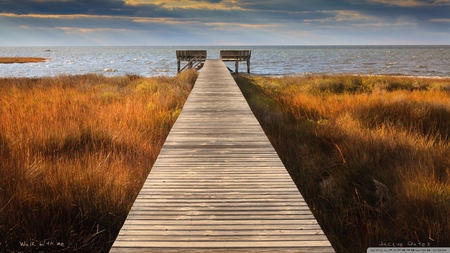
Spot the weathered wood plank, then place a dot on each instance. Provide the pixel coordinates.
(221, 238)
(223, 232)
(216, 222)
(209, 244)
(326, 249)
(186, 209)
(206, 228)
(168, 214)
(218, 185)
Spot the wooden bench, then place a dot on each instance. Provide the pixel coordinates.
(236, 56)
(194, 59)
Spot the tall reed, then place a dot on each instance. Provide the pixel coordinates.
(370, 154)
(74, 153)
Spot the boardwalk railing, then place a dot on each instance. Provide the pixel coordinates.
(218, 185)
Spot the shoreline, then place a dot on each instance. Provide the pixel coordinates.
(22, 60)
(11, 60)
(351, 74)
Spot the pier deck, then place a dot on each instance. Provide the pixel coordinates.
(218, 185)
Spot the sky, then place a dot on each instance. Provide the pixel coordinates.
(223, 22)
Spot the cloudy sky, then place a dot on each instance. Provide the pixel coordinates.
(223, 22)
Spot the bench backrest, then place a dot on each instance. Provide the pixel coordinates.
(235, 55)
(187, 55)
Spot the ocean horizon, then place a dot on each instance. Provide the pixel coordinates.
(407, 60)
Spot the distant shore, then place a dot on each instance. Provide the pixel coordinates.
(9, 60)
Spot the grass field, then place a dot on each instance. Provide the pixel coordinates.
(74, 153)
(370, 154)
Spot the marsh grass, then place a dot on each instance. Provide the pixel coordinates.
(74, 153)
(338, 134)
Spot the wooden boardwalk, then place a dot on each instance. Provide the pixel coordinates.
(218, 185)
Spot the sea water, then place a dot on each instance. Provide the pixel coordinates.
(433, 61)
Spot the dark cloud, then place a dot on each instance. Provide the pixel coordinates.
(424, 11)
(328, 13)
(88, 7)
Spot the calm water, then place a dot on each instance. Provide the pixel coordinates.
(266, 60)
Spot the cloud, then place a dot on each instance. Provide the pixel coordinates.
(412, 3)
(207, 24)
(440, 20)
(57, 16)
(208, 5)
(88, 7)
(344, 16)
(170, 21)
(226, 21)
(89, 30)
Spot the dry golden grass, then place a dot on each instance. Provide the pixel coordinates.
(6, 60)
(336, 134)
(74, 153)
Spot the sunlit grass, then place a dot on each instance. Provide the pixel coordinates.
(370, 154)
(74, 153)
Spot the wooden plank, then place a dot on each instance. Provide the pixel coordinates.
(221, 213)
(222, 238)
(145, 204)
(207, 208)
(217, 222)
(223, 232)
(205, 228)
(218, 185)
(209, 244)
(227, 250)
